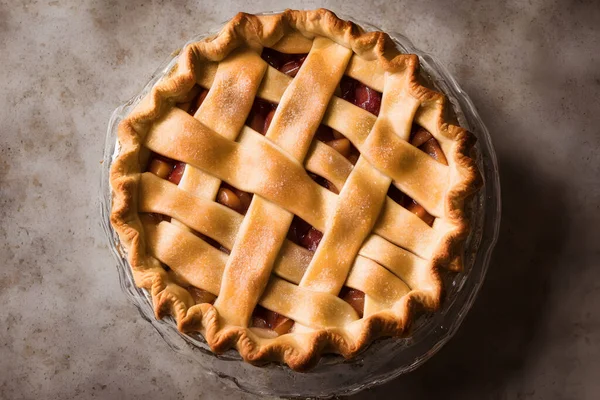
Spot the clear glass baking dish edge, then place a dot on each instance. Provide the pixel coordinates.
(385, 359)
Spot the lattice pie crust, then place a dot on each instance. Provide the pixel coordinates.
(370, 242)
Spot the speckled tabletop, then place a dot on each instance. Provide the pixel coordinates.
(533, 70)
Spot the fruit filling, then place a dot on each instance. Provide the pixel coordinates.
(303, 234)
(261, 115)
(338, 142)
(355, 298)
(236, 199)
(193, 105)
(360, 95)
(267, 319)
(289, 64)
(201, 296)
(425, 141)
(166, 168)
(155, 218)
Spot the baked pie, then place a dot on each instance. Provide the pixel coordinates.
(292, 188)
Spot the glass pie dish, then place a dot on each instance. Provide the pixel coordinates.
(385, 359)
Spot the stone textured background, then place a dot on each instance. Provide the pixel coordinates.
(533, 70)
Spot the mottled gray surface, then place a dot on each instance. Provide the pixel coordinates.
(532, 68)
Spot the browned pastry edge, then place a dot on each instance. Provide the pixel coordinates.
(300, 351)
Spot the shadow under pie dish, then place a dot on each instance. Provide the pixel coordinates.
(291, 188)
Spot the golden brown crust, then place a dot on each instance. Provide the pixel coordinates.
(300, 350)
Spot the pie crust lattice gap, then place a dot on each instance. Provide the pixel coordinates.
(370, 243)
